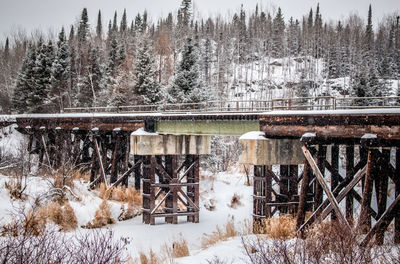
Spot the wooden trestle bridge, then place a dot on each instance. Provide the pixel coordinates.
(167, 163)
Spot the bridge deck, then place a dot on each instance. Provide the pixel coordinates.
(384, 122)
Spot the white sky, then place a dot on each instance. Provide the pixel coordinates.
(52, 14)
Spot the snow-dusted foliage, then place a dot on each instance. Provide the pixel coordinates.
(252, 55)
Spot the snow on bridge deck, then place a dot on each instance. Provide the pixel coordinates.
(353, 123)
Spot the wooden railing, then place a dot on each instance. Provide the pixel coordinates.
(250, 106)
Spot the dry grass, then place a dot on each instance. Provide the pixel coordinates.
(61, 180)
(283, 227)
(235, 201)
(121, 194)
(61, 215)
(102, 217)
(15, 189)
(151, 258)
(221, 234)
(36, 219)
(178, 249)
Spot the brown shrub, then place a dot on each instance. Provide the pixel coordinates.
(178, 249)
(70, 221)
(34, 223)
(102, 217)
(151, 259)
(235, 201)
(229, 230)
(129, 213)
(63, 216)
(61, 180)
(283, 227)
(15, 189)
(104, 193)
(81, 175)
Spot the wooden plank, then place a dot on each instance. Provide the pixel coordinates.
(120, 179)
(357, 177)
(383, 221)
(301, 212)
(383, 179)
(114, 169)
(325, 187)
(335, 167)
(364, 220)
(397, 189)
(100, 161)
(349, 171)
(159, 204)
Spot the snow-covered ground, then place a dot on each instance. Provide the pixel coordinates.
(217, 190)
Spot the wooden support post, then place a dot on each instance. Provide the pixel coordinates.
(259, 199)
(196, 172)
(115, 158)
(284, 187)
(349, 171)
(100, 161)
(334, 176)
(364, 221)
(137, 172)
(170, 167)
(382, 182)
(267, 175)
(318, 192)
(147, 198)
(190, 190)
(293, 186)
(301, 212)
(384, 221)
(397, 189)
(325, 187)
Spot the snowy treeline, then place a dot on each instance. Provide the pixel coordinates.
(184, 58)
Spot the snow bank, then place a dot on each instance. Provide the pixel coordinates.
(11, 141)
(142, 132)
(255, 135)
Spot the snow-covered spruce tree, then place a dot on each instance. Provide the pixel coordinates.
(187, 86)
(147, 88)
(116, 54)
(89, 84)
(60, 73)
(83, 29)
(24, 82)
(278, 35)
(38, 97)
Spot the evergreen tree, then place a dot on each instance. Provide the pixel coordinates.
(369, 32)
(278, 34)
(90, 84)
(186, 86)
(114, 25)
(124, 24)
(83, 29)
(25, 82)
(146, 87)
(6, 53)
(60, 74)
(42, 78)
(99, 27)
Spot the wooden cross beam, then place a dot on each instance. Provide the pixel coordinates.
(325, 187)
(323, 210)
(103, 173)
(383, 221)
(120, 179)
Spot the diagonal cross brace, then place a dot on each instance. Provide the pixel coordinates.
(321, 181)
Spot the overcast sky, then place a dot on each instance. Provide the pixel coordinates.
(52, 14)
